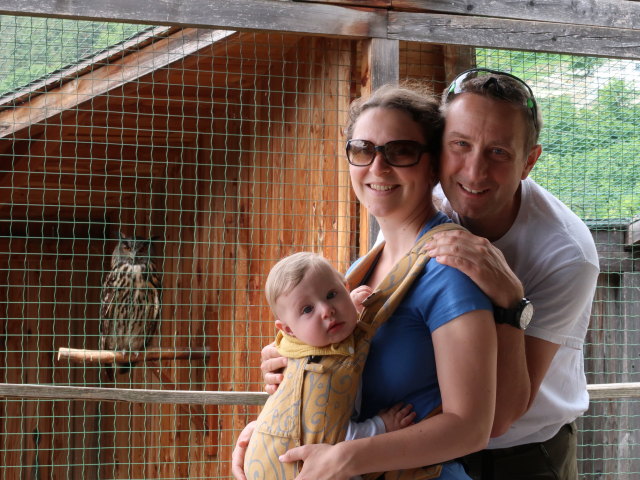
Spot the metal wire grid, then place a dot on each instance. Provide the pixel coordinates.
(226, 147)
(591, 140)
(177, 152)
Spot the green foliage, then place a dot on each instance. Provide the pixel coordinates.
(31, 48)
(530, 65)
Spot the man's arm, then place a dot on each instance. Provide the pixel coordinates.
(523, 361)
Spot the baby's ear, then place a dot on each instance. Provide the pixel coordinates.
(281, 326)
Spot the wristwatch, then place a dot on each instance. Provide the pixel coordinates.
(518, 317)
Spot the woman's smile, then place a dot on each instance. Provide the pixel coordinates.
(381, 187)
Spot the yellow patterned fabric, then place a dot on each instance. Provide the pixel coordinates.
(315, 400)
(291, 347)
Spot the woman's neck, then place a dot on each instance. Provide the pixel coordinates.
(401, 236)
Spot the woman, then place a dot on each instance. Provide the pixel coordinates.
(439, 346)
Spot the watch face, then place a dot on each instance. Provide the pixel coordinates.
(526, 315)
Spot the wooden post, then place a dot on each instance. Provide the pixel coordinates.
(381, 66)
(457, 59)
(630, 423)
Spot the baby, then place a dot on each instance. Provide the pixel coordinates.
(316, 317)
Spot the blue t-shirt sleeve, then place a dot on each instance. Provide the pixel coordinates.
(444, 293)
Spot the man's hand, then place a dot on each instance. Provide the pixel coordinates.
(479, 260)
(397, 417)
(239, 452)
(272, 365)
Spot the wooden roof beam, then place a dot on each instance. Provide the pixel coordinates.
(106, 78)
(601, 28)
(330, 17)
(514, 34)
(273, 15)
(56, 79)
(620, 14)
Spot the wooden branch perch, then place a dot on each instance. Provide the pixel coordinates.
(97, 357)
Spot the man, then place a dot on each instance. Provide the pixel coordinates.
(523, 241)
(490, 145)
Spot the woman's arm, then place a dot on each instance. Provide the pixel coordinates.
(465, 351)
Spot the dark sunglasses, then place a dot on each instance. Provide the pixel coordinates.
(457, 87)
(398, 153)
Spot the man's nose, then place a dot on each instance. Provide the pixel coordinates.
(475, 165)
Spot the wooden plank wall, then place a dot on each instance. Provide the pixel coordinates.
(233, 157)
(282, 194)
(608, 432)
(44, 303)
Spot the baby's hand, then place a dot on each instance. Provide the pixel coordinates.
(397, 417)
(359, 294)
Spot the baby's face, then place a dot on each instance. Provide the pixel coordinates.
(318, 311)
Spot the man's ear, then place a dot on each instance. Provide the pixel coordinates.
(281, 326)
(532, 158)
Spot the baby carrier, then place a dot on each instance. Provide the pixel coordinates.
(315, 400)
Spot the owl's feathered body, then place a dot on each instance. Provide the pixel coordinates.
(131, 295)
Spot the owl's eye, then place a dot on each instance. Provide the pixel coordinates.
(126, 247)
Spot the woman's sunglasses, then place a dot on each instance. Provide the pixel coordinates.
(397, 153)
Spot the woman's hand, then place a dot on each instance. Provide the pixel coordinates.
(477, 258)
(272, 365)
(321, 462)
(239, 452)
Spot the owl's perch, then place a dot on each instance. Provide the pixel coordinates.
(97, 357)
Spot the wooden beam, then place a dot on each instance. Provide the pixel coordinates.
(514, 34)
(91, 228)
(107, 78)
(600, 13)
(57, 78)
(633, 233)
(355, 3)
(135, 395)
(381, 66)
(610, 391)
(612, 256)
(274, 15)
(607, 28)
(131, 395)
(384, 60)
(457, 59)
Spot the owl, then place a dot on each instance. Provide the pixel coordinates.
(131, 295)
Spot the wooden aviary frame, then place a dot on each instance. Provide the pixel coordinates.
(607, 28)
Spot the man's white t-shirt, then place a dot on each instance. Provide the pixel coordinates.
(553, 254)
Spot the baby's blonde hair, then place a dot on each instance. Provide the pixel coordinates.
(289, 272)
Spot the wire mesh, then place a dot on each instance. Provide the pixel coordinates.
(227, 148)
